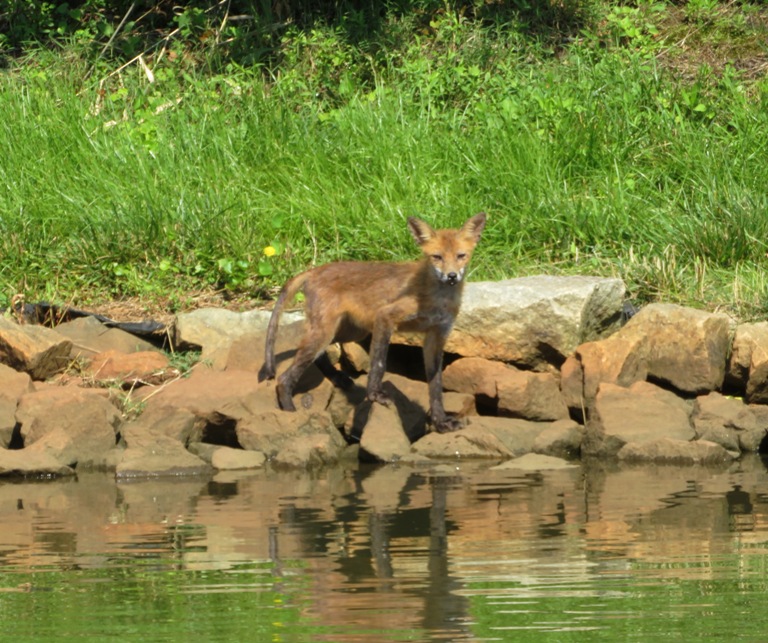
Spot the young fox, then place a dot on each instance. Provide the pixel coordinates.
(347, 301)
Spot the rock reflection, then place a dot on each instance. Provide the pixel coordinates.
(395, 549)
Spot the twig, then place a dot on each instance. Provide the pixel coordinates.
(112, 38)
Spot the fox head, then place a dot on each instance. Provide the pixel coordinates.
(448, 251)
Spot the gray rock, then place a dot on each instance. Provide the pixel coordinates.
(228, 459)
(535, 321)
(672, 451)
(384, 438)
(89, 337)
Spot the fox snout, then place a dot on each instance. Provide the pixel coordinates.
(451, 278)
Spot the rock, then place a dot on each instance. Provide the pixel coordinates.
(748, 365)
(354, 355)
(673, 451)
(130, 369)
(13, 385)
(384, 439)
(560, 439)
(641, 413)
(166, 457)
(89, 337)
(228, 459)
(158, 423)
(74, 426)
(299, 439)
(36, 350)
(729, 422)
(534, 322)
(23, 462)
(682, 347)
(486, 437)
(509, 391)
(215, 330)
(535, 462)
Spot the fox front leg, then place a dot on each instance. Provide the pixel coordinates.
(434, 342)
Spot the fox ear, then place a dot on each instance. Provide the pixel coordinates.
(474, 226)
(420, 231)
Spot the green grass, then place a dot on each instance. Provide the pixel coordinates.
(616, 156)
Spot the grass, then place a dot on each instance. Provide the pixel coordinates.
(617, 154)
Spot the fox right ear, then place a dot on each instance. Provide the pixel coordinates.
(420, 230)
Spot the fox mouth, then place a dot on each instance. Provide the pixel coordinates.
(451, 280)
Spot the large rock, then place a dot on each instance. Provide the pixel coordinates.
(730, 423)
(508, 391)
(215, 330)
(748, 365)
(166, 458)
(671, 451)
(130, 369)
(36, 350)
(299, 439)
(641, 413)
(384, 438)
(535, 321)
(28, 463)
(75, 426)
(89, 337)
(684, 348)
(13, 385)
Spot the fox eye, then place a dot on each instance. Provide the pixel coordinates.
(461, 256)
(437, 257)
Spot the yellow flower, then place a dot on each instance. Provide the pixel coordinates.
(269, 251)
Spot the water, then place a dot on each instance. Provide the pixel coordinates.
(448, 553)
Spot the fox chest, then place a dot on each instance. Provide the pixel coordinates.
(435, 317)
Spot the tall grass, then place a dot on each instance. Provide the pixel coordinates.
(597, 160)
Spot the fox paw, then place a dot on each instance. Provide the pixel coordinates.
(380, 397)
(448, 425)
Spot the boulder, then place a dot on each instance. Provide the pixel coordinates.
(158, 423)
(683, 348)
(89, 337)
(229, 459)
(641, 413)
(299, 439)
(130, 369)
(673, 451)
(535, 462)
(748, 364)
(36, 350)
(75, 426)
(24, 462)
(13, 385)
(508, 391)
(383, 438)
(730, 422)
(534, 322)
(215, 330)
(166, 458)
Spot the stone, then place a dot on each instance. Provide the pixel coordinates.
(166, 458)
(36, 350)
(229, 459)
(75, 426)
(641, 413)
(534, 322)
(162, 422)
(681, 347)
(674, 451)
(13, 384)
(535, 462)
(730, 422)
(23, 462)
(748, 364)
(383, 438)
(561, 439)
(130, 369)
(90, 337)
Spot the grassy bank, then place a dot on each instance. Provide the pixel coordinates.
(633, 145)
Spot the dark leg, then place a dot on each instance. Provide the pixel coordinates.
(308, 350)
(434, 341)
(382, 333)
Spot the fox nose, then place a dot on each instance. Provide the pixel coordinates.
(452, 278)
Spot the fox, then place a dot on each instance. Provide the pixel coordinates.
(348, 301)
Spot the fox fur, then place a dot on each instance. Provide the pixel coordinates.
(347, 301)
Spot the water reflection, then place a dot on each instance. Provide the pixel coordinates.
(445, 553)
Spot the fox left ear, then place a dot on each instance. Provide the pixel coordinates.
(474, 226)
(420, 230)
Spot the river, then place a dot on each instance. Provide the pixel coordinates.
(450, 552)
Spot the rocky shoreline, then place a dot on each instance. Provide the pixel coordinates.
(539, 366)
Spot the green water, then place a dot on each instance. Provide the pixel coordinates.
(448, 553)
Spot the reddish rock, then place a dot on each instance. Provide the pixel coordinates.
(75, 426)
(13, 385)
(131, 369)
(228, 459)
(730, 422)
(90, 337)
(641, 413)
(672, 451)
(384, 438)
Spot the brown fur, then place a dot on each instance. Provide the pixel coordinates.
(347, 301)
